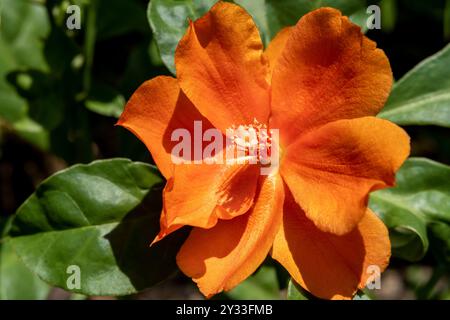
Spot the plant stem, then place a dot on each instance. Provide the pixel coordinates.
(89, 45)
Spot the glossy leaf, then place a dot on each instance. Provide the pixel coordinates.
(101, 218)
(422, 96)
(263, 285)
(16, 281)
(422, 195)
(272, 15)
(169, 20)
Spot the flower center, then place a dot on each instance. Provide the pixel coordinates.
(252, 141)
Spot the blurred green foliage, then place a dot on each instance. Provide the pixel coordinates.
(61, 91)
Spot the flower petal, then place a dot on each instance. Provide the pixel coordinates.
(165, 228)
(221, 68)
(200, 194)
(276, 46)
(327, 265)
(327, 71)
(154, 111)
(331, 170)
(221, 257)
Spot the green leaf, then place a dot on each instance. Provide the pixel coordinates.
(44, 96)
(263, 285)
(24, 25)
(389, 14)
(169, 20)
(105, 100)
(361, 295)
(296, 292)
(102, 218)
(273, 15)
(422, 96)
(440, 241)
(422, 195)
(16, 281)
(33, 132)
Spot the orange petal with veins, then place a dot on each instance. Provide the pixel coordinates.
(276, 46)
(331, 170)
(200, 194)
(154, 111)
(221, 67)
(327, 265)
(328, 70)
(221, 257)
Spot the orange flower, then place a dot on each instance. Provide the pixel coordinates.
(320, 83)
